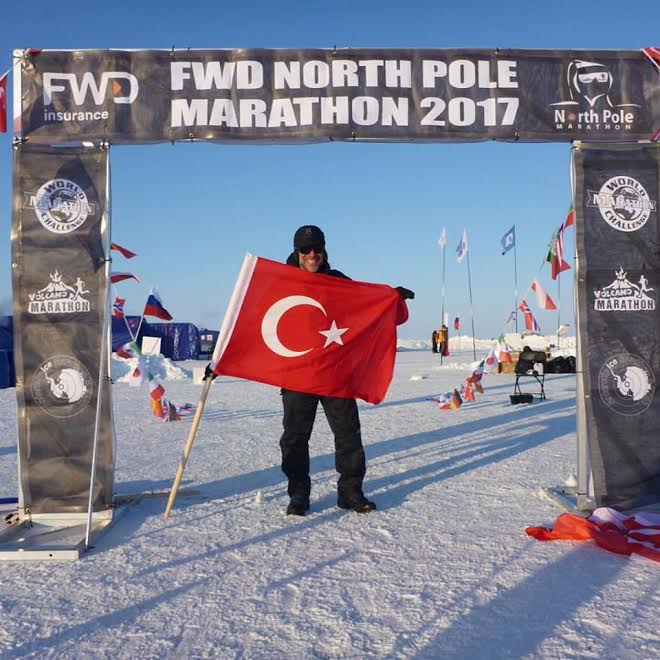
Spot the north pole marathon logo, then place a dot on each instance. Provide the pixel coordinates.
(624, 295)
(62, 386)
(626, 384)
(61, 205)
(589, 106)
(57, 297)
(623, 202)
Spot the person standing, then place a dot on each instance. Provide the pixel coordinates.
(309, 253)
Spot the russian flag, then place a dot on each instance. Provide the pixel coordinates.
(154, 307)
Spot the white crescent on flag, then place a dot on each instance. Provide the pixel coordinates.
(272, 318)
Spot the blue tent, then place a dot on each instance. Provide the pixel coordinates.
(178, 341)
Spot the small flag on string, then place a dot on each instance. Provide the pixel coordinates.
(543, 300)
(154, 307)
(137, 375)
(128, 350)
(118, 308)
(116, 276)
(156, 390)
(653, 53)
(503, 350)
(490, 362)
(127, 253)
(570, 217)
(454, 402)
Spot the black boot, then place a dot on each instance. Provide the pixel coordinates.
(297, 506)
(355, 502)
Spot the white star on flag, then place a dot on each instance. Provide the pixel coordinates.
(333, 335)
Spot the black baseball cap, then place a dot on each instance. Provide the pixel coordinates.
(308, 236)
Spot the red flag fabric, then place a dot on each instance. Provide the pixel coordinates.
(122, 250)
(3, 103)
(116, 276)
(310, 332)
(610, 529)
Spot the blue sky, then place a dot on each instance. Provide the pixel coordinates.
(191, 211)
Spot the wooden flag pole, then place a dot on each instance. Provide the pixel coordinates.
(188, 447)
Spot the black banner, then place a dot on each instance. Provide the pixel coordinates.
(314, 95)
(60, 239)
(618, 244)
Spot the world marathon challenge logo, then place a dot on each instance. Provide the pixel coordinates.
(60, 205)
(589, 106)
(626, 384)
(623, 203)
(62, 386)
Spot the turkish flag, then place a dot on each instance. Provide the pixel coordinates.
(310, 332)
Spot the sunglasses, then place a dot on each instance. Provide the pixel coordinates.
(308, 248)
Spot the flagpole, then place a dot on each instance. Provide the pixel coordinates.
(515, 282)
(558, 307)
(474, 346)
(188, 446)
(442, 315)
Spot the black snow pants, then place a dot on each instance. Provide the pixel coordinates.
(342, 416)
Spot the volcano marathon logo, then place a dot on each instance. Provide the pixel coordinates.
(623, 202)
(623, 295)
(68, 89)
(626, 384)
(61, 205)
(62, 386)
(57, 297)
(589, 106)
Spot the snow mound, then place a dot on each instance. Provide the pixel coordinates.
(412, 345)
(159, 367)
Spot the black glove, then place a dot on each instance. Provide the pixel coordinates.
(406, 294)
(208, 373)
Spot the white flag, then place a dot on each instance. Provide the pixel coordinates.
(442, 241)
(462, 248)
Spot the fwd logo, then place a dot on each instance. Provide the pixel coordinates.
(58, 82)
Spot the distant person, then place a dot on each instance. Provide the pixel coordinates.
(434, 341)
(309, 253)
(443, 341)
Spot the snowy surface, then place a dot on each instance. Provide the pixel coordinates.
(442, 570)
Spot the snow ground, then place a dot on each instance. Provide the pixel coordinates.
(442, 569)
